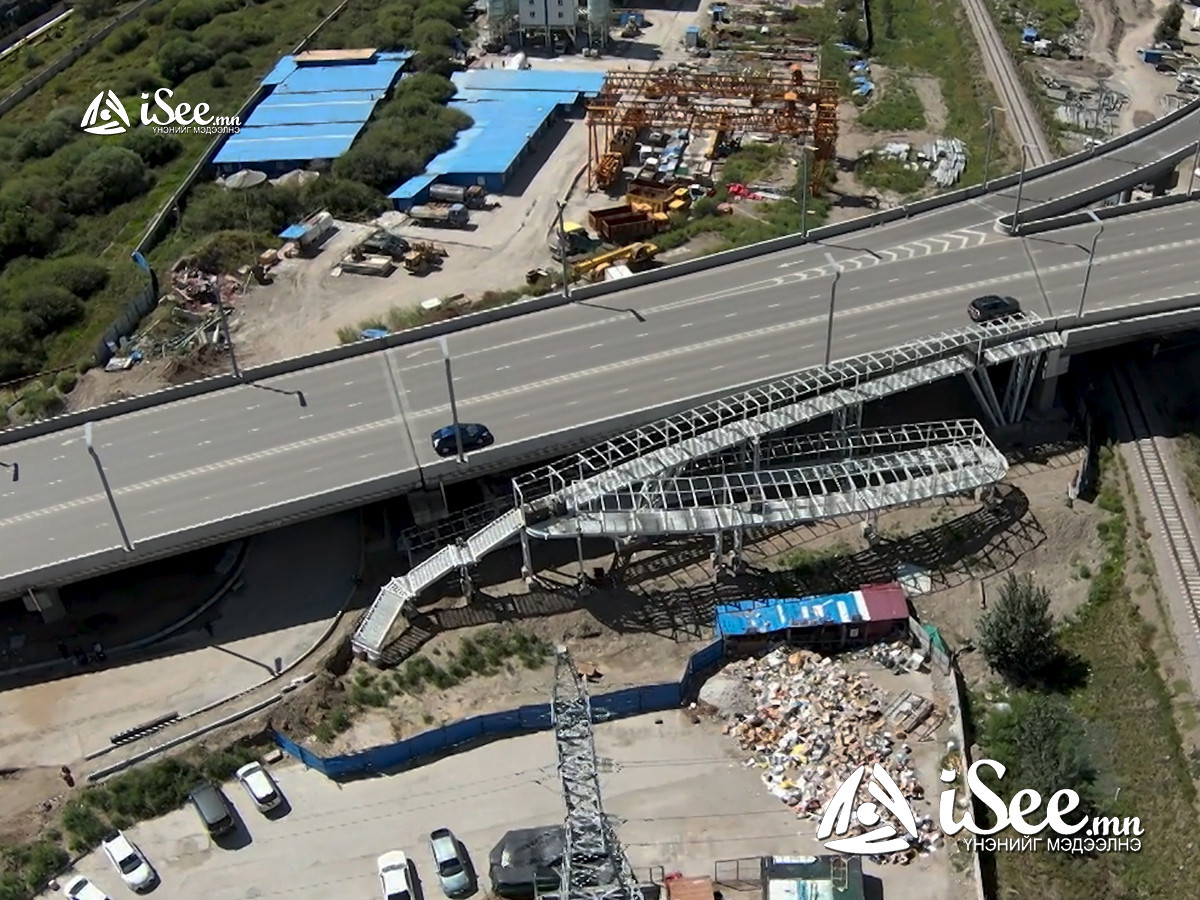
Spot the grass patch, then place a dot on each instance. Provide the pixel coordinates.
(897, 108)
(1133, 743)
(484, 655)
(1052, 18)
(934, 36)
(141, 793)
(894, 175)
(1187, 451)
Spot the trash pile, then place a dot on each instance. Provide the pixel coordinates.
(808, 723)
(196, 289)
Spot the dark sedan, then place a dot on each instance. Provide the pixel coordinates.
(474, 437)
(985, 309)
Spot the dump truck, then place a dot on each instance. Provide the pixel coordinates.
(621, 224)
(473, 197)
(454, 215)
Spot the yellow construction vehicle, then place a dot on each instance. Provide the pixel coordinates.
(593, 269)
(422, 258)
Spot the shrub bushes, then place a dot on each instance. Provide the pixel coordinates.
(41, 140)
(180, 58)
(105, 179)
(126, 38)
(155, 149)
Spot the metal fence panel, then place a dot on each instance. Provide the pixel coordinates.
(617, 703)
(535, 718)
(426, 742)
(461, 732)
(657, 697)
(306, 756)
(504, 722)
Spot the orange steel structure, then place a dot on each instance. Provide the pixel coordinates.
(789, 105)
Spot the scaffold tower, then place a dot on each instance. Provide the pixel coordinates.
(594, 863)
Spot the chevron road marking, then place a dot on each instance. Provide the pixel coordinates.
(951, 242)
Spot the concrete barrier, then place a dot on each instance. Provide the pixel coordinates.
(1097, 192)
(1104, 212)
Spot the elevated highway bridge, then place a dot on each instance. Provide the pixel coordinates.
(240, 458)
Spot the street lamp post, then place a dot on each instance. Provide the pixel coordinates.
(837, 273)
(562, 251)
(228, 337)
(112, 501)
(458, 443)
(1016, 224)
(804, 151)
(1087, 274)
(987, 153)
(14, 467)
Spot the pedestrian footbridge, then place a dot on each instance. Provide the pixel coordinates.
(688, 473)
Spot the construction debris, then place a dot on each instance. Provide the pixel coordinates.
(808, 722)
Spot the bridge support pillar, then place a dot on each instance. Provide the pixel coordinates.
(526, 558)
(1056, 366)
(1021, 379)
(47, 602)
(981, 387)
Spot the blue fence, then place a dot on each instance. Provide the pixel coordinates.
(613, 705)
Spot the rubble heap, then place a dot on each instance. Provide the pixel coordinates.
(813, 723)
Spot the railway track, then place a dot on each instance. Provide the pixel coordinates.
(1168, 497)
(1003, 73)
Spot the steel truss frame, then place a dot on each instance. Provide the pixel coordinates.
(594, 865)
(643, 452)
(667, 445)
(932, 459)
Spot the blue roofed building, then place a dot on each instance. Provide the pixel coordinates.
(314, 106)
(872, 613)
(511, 109)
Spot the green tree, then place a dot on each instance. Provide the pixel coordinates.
(1041, 740)
(105, 179)
(1017, 634)
(1169, 23)
(180, 58)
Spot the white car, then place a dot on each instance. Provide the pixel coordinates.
(129, 861)
(448, 860)
(393, 876)
(79, 888)
(261, 787)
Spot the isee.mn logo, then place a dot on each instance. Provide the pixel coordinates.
(106, 115)
(1099, 833)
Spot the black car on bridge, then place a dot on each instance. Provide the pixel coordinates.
(993, 306)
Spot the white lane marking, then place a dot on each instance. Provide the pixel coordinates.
(893, 326)
(306, 416)
(551, 355)
(686, 325)
(255, 430)
(154, 456)
(352, 405)
(365, 455)
(730, 315)
(717, 368)
(622, 391)
(347, 383)
(595, 346)
(502, 368)
(765, 356)
(204, 443)
(774, 305)
(255, 406)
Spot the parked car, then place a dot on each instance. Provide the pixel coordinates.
(213, 809)
(129, 861)
(474, 437)
(261, 787)
(79, 888)
(393, 876)
(993, 306)
(449, 860)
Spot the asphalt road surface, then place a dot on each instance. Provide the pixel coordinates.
(182, 465)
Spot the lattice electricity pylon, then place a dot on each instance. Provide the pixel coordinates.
(594, 863)
(667, 443)
(966, 460)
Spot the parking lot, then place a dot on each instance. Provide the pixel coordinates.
(680, 790)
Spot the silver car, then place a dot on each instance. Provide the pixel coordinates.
(448, 860)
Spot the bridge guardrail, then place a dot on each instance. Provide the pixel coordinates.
(485, 317)
(1105, 212)
(1035, 214)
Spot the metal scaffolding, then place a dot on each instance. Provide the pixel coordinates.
(791, 105)
(661, 449)
(594, 865)
(664, 444)
(929, 460)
